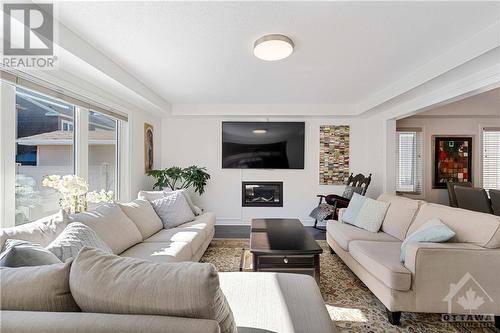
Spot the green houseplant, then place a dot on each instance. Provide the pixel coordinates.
(176, 178)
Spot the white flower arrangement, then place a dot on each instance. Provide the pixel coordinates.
(75, 192)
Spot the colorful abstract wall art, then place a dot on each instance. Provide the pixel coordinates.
(333, 154)
(452, 160)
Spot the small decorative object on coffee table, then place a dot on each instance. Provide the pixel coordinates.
(284, 245)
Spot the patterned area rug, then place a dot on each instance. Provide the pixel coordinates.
(352, 307)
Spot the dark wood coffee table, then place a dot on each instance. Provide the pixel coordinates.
(284, 245)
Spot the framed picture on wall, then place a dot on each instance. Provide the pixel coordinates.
(148, 147)
(452, 160)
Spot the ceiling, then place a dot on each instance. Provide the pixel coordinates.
(201, 52)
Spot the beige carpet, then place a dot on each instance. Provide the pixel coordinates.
(352, 307)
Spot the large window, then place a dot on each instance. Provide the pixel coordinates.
(52, 137)
(409, 167)
(103, 152)
(491, 158)
(44, 145)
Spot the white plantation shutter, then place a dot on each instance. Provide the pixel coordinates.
(409, 166)
(491, 158)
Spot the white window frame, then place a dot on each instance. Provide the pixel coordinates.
(483, 130)
(80, 144)
(419, 165)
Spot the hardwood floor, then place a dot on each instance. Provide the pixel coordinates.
(243, 231)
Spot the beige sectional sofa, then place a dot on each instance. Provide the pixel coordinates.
(260, 302)
(434, 275)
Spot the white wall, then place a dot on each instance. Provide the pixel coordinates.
(466, 117)
(197, 140)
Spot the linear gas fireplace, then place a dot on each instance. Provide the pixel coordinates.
(262, 194)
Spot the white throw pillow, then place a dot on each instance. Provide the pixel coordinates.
(196, 210)
(173, 209)
(42, 231)
(372, 214)
(75, 237)
(143, 215)
(102, 283)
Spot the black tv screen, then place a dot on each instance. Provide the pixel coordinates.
(263, 145)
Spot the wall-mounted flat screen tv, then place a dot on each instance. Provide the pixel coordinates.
(263, 145)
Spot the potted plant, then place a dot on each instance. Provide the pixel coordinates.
(176, 178)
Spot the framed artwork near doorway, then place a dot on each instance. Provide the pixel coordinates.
(148, 147)
(452, 160)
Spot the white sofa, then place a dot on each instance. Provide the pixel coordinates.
(425, 282)
(260, 302)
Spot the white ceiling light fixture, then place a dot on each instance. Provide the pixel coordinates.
(273, 47)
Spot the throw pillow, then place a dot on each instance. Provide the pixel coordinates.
(75, 237)
(42, 231)
(353, 209)
(196, 210)
(37, 288)
(102, 283)
(143, 215)
(433, 231)
(371, 215)
(111, 225)
(173, 209)
(19, 253)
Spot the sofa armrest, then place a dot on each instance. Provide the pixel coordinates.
(340, 213)
(438, 268)
(84, 322)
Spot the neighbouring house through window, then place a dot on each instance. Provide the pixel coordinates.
(44, 146)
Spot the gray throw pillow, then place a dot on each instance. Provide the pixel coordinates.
(196, 210)
(73, 238)
(103, 283)
(173, 209)
(20, 253)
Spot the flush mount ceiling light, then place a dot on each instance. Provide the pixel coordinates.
(273, 47)
(259, 131)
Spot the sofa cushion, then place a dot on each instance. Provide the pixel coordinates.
(150, 195)
(111, 225)
(42, 231)
(72, 322)
(36, 288)
(400, 214)
(381, 259)
(344, 234)
(143, 215)
(160, 252)
(74, 237)
(173, 209)
(21, 253)
(205, 222)
(195, 238)
(469, 227)
(105, 283)
(283, 303)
